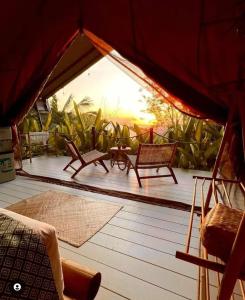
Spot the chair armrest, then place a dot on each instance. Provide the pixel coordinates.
(80, 282)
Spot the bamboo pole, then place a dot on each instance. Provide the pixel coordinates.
(191, 218)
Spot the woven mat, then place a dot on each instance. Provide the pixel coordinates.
(75, 219)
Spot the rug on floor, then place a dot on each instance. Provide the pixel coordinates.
(76, 220)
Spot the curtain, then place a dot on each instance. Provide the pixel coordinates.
(193, 49)
(34, 36)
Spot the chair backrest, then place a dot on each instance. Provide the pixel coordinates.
(151, 154)
(39, 137)
(73, 149)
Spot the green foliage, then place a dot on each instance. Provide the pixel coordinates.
(31, 123)
(198, 140)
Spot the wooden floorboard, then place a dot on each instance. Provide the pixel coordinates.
(158, 278)
(162, 188)
(134, 265)
(134, 251)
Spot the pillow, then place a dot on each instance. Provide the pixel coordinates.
(48, 235)
(219, 229)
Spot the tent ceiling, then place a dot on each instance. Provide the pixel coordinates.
(79, 57)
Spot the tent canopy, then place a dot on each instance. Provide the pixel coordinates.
(195, 49)
(78, 57)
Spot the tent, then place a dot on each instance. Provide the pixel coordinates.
(194, 49)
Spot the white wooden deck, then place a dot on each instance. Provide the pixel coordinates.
(163, 188)
(135, 250)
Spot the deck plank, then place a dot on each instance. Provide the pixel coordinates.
(121, 282)
(135, 250)
(149, 274)
(159, 233)
(145, 220)
(162, 188)
(154, 257)
(146, 265)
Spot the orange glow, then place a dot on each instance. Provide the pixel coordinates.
(118, 95)
(146, 119)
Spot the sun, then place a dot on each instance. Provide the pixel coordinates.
(146, 119)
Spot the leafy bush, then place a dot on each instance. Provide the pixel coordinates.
(198, 140)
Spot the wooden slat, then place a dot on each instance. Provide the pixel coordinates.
(154, 257)
(131, 267)
(166, 216)
(121, 282)
(148, 273)
(142, 239)
(153, 231)
(105, 294)
(145, 220)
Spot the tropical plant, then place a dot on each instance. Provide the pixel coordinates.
(198, 140)
(30, 123)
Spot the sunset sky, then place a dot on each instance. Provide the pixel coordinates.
(119, 96)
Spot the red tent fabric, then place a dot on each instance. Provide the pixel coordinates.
(34, 35)
(195, 49)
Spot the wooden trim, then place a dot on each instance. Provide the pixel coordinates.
(219, 156)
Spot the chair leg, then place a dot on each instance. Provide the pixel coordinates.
(77, 171)
(103, 165)
(173, 175)
(138, 176)
(129, 165)
(68, 165)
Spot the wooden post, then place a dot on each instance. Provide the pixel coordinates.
(29, 145)
(93, 137)
(218, 158)
(151, 136)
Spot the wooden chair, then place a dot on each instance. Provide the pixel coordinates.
(85, 159)
(36, 140)
(151, 156)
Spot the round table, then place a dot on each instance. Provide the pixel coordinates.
(119, 157)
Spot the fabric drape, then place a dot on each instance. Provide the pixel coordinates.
(34, 35)
(193, 49)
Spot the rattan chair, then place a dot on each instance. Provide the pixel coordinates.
(35, 141)
(151, 156)
(85, 159)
